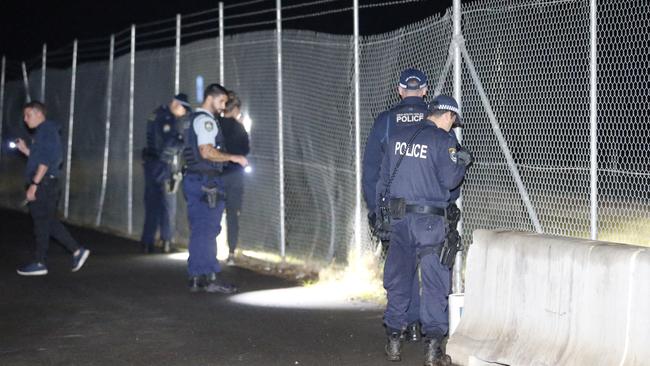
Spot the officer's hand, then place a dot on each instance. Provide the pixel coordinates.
(30, 195)
(465, 157)
(239, 159)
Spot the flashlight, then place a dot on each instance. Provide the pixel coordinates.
(248, 169)
(12, 145)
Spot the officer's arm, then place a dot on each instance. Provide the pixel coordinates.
(209, 152)
(450, 171)
(384, 175)
(372, 159)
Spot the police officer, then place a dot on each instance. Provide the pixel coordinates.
(421, 167)
(203, 190)
(164, 142)
(44, 158)
(411, 110)
(237, 142)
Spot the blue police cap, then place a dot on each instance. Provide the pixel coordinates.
(446, 103)
(183, 100)
(412, 79)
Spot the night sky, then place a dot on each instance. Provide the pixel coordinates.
(26, 24)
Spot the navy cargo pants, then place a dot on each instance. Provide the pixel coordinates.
(411, 238)
(205, 224)
(159, 206)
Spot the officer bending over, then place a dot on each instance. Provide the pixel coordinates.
(203, 190)
(421, 167)
(44, 158)
(411, 110)
(237, 142)
(161, 176)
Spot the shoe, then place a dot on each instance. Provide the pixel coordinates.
(147, 248)
(167, 246)
(394, 347)
(79, 259)
(32, 269)
(214, 283)
(412, 333)
(231, 259)
(196, 284)
(433, 355)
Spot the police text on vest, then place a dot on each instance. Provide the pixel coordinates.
(416, 150)
(409, 117)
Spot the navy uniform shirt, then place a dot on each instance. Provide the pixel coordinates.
(46, 149)
(162, 132)
(410, 111)
(235, 139)
(429, 170)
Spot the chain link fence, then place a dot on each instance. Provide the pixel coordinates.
(532, 58)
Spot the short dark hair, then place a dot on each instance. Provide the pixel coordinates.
(214, 90)
(35, 104)
(437, 113)
(233, 101)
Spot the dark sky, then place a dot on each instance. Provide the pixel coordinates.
(26, 24)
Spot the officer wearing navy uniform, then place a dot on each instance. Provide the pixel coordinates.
(411, 110)
(164, 143)
(44, 158)
(423, 165)
(203, 190)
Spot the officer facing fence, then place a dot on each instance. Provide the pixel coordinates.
(161, 173)
(44, 158)
(203, 190)
(411, 110)
(422, 165)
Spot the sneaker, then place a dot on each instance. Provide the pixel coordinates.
(231, 260)
(79, 259)
(216, 284)
(32, 269)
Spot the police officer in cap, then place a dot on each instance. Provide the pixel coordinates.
(161, 176)
(423, 164)
(203, 190)
(411, 110)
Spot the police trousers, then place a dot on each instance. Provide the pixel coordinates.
(159, 206)
(204, 222)
(46, 222)
(411, 236)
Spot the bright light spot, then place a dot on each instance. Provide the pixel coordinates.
(248, 169)
(312, 297)
(12, 145)
(248, 123)
(181, 256)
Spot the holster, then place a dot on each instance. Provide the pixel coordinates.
(211, 195)
(397, 208)
(451, 246)
(382, 227)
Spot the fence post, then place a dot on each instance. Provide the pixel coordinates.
(278, 22)
(43, 71)
(457, 282)
(177, 59)
(357, 133)
(130, 157)
(593, 117)
(2, 97)
(26, 83)
(73, 84)
(221, 35)
(107, 133)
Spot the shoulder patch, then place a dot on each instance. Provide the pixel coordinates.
(167, 127)
(452, 154)
(208, 126)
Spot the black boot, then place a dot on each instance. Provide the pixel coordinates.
(413, 332)
(433, 355)
(147, 248)
(214, 283)
(394, 347)
(196, 283)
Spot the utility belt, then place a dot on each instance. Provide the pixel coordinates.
(203, 172)
(399, 208)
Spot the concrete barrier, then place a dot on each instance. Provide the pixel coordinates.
(538, 300)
